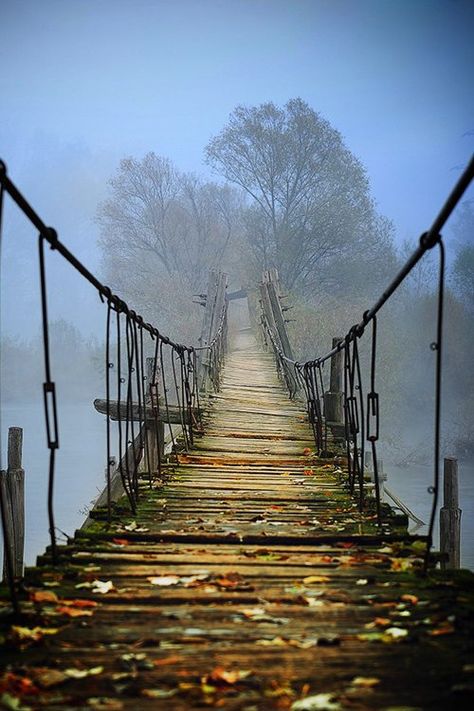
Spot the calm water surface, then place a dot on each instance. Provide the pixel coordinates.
(81, 463)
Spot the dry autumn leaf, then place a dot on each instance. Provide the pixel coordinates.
(365, 681)
(164, 580)
(27, 635)
(43, 596)
(73, 611)
(79, 603)
(412, 599)
(310, 579)
(219, 676)
(83, 673)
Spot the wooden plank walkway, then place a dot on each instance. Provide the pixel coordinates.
(248, 580)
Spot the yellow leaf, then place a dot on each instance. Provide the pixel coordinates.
(316, 579)
(365, 681)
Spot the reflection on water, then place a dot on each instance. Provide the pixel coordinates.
(80, 467)
(81, 463)
(411, 485)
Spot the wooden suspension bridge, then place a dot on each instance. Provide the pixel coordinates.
(241, 570)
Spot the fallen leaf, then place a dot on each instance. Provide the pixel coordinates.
(121, 541)
(412, 599)
(27, 635)
(83, 673)
(319, 702)
(306, 451)
(401, 564)
(445, 628)
(102, 587)
(16, 684)
(135, 528)
(73, 611)
(79, 603)
(379, 622)
(43, 596)
(365, 681)
(316, 579)
(167, 660)
(102, 703)
(165, 580)
(97, 586)
(12, 702)
(308, 472)
(251, 612)
(159, 693)
(219, 676)
(394, 633)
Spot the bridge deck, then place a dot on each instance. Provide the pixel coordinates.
(247, 581)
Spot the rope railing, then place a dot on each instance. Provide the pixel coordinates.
(137, 400)
(361, 411)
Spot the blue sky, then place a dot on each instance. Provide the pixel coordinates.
(85, 82)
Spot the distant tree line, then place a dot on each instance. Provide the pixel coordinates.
(77, 366)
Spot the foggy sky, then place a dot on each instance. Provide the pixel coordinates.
(84, 83)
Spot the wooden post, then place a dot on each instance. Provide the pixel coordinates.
(12, 484)
(269, 291)
(279, 319)
(333, 399)
(450, 517)
(216, 295)
(206, 327)
(150, 426)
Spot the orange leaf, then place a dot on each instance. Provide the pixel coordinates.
(412, 599)
(445, 628)
(43, 596)
(219, 675)
(308, 472)
(121, 541)
(15, 684)
(79, 603)
(306, 451)
(73, 612)
(167, 660)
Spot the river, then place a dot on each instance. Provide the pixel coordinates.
(81, 462)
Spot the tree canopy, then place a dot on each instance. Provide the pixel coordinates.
(310, 199)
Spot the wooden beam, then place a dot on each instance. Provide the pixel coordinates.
(118, 410)
(240, 294)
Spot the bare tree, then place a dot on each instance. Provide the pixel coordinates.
(162, 230)
(310, 195)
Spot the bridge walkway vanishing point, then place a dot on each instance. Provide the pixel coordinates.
(247, 580)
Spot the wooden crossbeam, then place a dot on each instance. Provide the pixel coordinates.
(118, 410)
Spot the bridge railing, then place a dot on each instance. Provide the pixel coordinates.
(141, 394)
(357, 404)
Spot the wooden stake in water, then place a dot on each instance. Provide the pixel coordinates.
(450, 517)
(12, 482)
